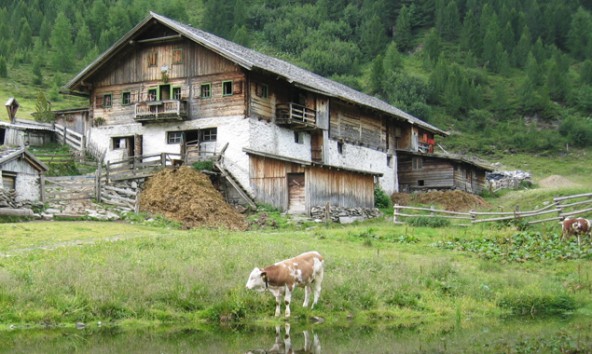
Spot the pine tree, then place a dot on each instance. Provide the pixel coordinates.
(372, 36)
(557, 77)
(43, 109)
(432, 47)
(3, 67)
(61, 44)
(586, 72)
(579, 37)
(471, 40)
(520, 54)
(403, 30)
(490, 42)
(447, 19)
(83, 42)
(375, 81)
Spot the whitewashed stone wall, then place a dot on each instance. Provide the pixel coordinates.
(272, 139)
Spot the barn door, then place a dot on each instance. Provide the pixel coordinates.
(296, 193)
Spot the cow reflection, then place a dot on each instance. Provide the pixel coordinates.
(284, 345)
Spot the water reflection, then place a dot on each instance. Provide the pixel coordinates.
(284, 344)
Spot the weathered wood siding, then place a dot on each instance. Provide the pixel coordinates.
(468, 178)
(131, 72)
(338, 187)
(352, 125)
(269, 180)
(433, 173)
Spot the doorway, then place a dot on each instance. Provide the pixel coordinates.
(296, 193)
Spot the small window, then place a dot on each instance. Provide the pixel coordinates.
(178, 56)
(152, 94)
(126, 98)
(389, 160)
(420, 183)
(262, 90)
(174, 137)
(205, 91)
(152, 59)
(417, 163)
(340, 147)
(107, 100)
(177, 93)
(119, 142)
(299, 137)
(209, 134)
(8, 180)
(227, 88)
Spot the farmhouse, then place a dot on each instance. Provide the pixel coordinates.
(23, 173)
(281, 135)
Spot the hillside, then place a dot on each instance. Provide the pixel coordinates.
(500, 76)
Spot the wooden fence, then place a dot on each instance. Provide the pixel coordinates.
(68, 136)
(558, 209)
(114, 173)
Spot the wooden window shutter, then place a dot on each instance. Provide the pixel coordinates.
(238, 87)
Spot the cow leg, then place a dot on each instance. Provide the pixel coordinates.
(317, 287)
(287, 300)
(307, 291)
(278, 309)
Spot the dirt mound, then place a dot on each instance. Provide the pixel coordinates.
(556, 181)
(188, 196)
(448, 200)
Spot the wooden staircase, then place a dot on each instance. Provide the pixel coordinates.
(235, 183)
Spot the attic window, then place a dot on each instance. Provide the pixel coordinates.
(227, 88)
(178, 56)
(152, 59)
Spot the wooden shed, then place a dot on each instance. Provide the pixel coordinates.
(23, 172)
(419, 171)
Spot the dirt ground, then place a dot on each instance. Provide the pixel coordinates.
(556, 181)
(189, 197)
(448, 200)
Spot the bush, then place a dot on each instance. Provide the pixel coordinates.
(381, 199)
(537, 304)
(428, 221)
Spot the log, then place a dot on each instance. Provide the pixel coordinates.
(16, 212)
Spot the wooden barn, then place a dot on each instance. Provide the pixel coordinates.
(22, 172)
(282, 135)
(418, 171)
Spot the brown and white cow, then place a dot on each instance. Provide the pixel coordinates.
(575, 227)
(305, 270)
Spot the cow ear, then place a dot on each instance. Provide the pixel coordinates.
(263, 275)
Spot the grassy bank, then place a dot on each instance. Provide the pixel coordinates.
(61, 273)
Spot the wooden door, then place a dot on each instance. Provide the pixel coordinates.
(316, 147)
(296, 193)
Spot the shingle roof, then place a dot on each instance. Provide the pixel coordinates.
(251, 59)
(8, 154)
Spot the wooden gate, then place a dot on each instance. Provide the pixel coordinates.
(296, 193)
(69, 188)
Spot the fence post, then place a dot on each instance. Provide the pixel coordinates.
(98, 182)
(432, 211)
(163, 159)
(473, 214)
(396, 214)
(517, 212)
(65, 133)
(107, 168)
(327, 213)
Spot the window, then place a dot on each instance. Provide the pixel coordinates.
(177, 93)
(389, 160)
(174, 137)
(209, 134)
(205, 91)
(126, 98)
(152, 94)
(262, 90)
(227, 88)
(340, 147)
(178, 56)
(417, 163)
(8, 180)
(152, 59)
(120, 142)
(104, 101)
(299, 137)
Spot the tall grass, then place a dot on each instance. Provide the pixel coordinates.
(155, 275)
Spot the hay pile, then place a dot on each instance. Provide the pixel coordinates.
(448, 200)
(556, 181)
(189, 197)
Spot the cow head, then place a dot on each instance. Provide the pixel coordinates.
(257, 280)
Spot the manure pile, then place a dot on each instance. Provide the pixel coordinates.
(188, 196)
(449, 200)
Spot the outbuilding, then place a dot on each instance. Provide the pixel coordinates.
(22, 172)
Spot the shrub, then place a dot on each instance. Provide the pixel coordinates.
(428, 221)
(381, 199)
(537, 304)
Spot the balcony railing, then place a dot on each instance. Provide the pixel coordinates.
(151, 111)
(295, 115)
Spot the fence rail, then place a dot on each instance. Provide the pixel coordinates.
(562, 206)
(70, 137)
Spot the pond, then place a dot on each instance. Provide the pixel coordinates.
(511, 336)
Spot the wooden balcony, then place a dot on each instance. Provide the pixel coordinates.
(295, 116)
(159, 111)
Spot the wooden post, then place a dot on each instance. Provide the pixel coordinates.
(65, 133)
(98, 182)
(432, 211)
(42, 187)
(473, 215)
(163, 159)
(107, 168)
(517, 212)
(327, 213)
(396, 214)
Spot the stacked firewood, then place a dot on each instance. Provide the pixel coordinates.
(8, 198)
